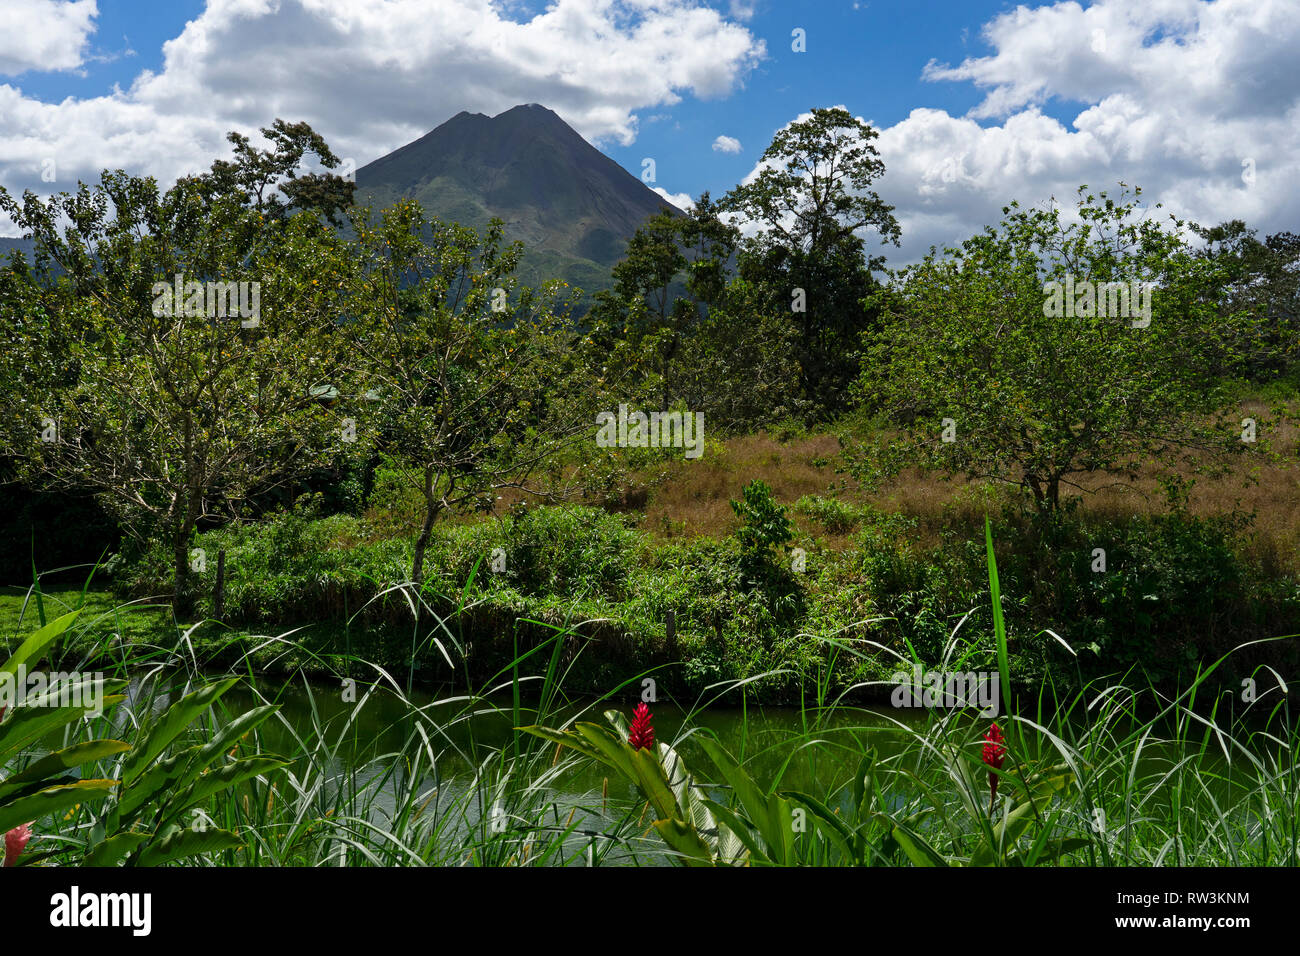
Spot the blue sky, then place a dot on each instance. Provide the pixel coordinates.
(866, 56)
(1179, 96)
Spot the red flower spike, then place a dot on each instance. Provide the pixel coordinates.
(994, 753)
(15, 842)
(641, 735)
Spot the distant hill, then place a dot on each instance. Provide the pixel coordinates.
(7, 245)
(573, 207)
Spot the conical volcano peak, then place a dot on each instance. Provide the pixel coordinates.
(572, 206)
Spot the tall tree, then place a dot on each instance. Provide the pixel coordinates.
(273, 181)
(812, 204)
(675, 269)
(1263, 278)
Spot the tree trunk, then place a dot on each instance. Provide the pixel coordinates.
(422, 542)
(181, 595)
(219, 590)
(431, 509)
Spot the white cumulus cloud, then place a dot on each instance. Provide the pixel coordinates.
(1196, 102)
(44, 35)
(372, 75)
(726, 144)
(682, 201)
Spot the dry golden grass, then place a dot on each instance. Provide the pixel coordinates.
(694, 497)
(689, 498)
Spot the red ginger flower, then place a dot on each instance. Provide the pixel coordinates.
(993, 755)
(641, 735)
(15, 842)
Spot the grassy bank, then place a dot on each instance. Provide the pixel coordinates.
(1088, 773)
(1177, 590)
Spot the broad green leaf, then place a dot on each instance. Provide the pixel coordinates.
(36, 644)
(26, 724)
(52, 800)
(691, 807)
(171, 725)
(743, 834)
(61, 760)
(110, 851)
(917, 849)
(227, 736)
(223, 778)
(182, 843)
(771, 814)
(167, 775)
(686, 841)
(181, 770)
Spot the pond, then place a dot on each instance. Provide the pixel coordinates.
(364, 745)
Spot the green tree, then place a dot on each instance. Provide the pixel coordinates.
(272, 181)
(983, 374)
(1263, 278)
(480, 385)
(674, 271)
(171, 409)
(811, 204)
(740, 366)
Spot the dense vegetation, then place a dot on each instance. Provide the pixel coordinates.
(259, 408)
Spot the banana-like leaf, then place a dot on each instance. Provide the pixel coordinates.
(639, 765)
(228, 735)
(182, 843)
(686, 841)
(52, 800)
(723, 841)
(171, 725)
(214, 781)
(59, 761)
(26, 724)
(771, 814)
(180, 770)
(112, 850)
(165, 776)
(727, 817)
(684, 819)
(37, 642)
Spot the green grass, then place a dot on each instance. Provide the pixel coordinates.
(1096, 774)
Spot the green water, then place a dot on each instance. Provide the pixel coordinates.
(367, 743)
(372, 727)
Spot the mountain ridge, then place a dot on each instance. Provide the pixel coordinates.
(572, 206)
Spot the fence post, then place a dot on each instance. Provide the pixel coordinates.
(219, 590)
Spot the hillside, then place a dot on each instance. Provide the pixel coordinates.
(572, 206)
